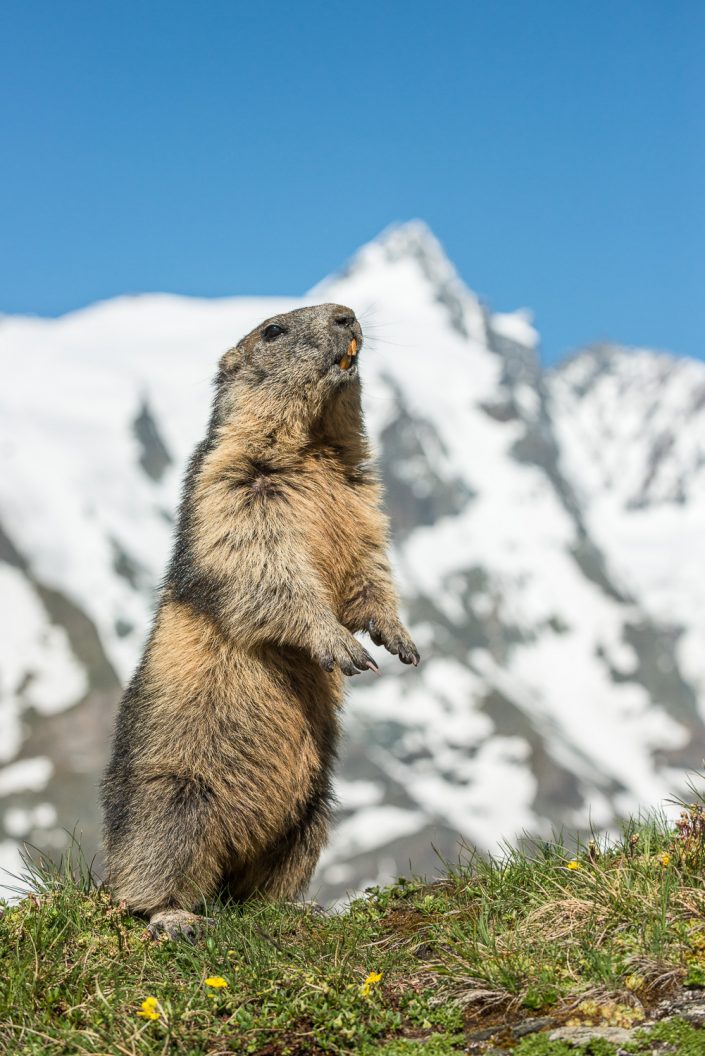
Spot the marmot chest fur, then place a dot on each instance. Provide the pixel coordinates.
(220, 776)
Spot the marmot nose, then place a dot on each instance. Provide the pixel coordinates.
(344, 320)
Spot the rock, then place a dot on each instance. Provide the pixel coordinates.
(582, 1035)
(531, 1026)
(689, 1006)
(694, 1013)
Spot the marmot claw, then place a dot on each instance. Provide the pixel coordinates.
(349, 656)
(395, 639)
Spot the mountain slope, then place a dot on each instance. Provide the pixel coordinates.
(551, 691)
(631, 425)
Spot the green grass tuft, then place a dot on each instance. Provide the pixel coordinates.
(599, 937)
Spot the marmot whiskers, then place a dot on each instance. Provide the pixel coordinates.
(220, 776)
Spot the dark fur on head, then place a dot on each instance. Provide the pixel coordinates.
(309, 341)
(291, 359)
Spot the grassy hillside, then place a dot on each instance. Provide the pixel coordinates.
(495, 957)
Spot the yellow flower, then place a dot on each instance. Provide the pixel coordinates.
(148, 1008)
(574, 864)
(664, 858)
(372, 979)
(216, 981)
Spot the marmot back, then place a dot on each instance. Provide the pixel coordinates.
(220, 776)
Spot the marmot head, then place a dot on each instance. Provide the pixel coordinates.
(311, 352)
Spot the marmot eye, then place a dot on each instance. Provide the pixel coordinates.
(272, 331)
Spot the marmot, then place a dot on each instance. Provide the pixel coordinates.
(220, 776)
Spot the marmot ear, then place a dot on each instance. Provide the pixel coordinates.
(230, 361)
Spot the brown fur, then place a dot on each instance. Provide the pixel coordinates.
(220, 774)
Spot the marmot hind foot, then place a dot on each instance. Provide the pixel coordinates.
(177, 924)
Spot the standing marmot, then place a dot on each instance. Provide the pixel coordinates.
(220, 776)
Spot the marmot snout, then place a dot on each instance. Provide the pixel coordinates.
(220, 776)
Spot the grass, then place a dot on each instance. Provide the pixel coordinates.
(599, 937)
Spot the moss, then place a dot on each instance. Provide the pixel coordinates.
(674, 1036)
(435, 1045)
(540, 1045)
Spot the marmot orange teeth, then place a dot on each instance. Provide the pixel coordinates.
(349, 356)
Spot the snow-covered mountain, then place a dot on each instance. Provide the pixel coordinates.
(547, 539)
(631, 427)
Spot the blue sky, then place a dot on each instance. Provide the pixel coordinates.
(557, 150)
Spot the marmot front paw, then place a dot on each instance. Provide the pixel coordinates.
(395, 639)
(346, 653)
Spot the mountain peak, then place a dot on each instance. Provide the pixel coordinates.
(632, 366)
(413, 238)
(412, 243)
(608, 355)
